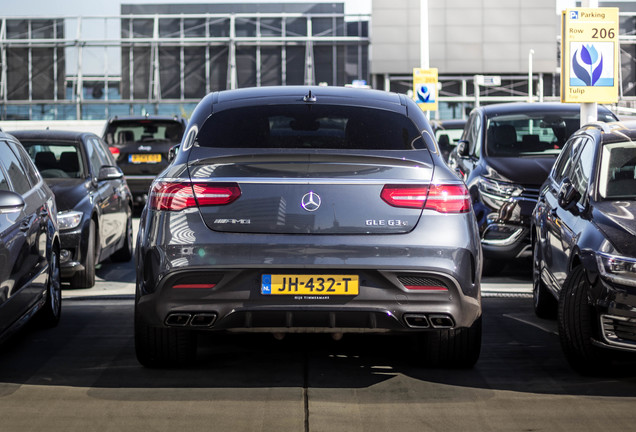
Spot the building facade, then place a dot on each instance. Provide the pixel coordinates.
(163, 58)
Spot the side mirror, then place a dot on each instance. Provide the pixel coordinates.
(109, 172)
(172, 153)
(10, 202)
(462, 148)
(568, 195)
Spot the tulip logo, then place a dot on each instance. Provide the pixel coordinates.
(425, 94)
(592, 65)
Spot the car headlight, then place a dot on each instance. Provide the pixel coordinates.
(498, 188)
(621, 270)
(69, 219)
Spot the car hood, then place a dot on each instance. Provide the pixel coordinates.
(617, 219)
(522, 170)
(68, 192)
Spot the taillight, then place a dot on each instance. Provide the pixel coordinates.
(442, 198)
(446, 198)
(179, 196)
(114, 151)
(404, 195)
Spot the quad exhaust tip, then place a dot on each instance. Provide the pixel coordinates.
(422, 321)
(181, 319)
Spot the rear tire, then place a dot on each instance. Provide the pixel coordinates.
(545, 304)
(456, 348)
(164, 347)
(125, 253)
(49, 315)
(578, 324)
(86, 277)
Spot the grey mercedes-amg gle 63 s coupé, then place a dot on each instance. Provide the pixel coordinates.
(305, 210)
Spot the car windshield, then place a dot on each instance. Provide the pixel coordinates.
(311, 127)
(55, 159)
(124, 131)
(531, 134)
(617, 179)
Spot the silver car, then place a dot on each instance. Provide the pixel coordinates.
(308, 209)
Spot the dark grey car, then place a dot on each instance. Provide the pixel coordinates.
(308, 209)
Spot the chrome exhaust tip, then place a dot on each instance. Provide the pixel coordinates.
(416, 321)
(441, 321)
(203, 320)
(178, 319)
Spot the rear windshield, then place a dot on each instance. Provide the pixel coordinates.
(532, 134)
(310, 127)
(120, 132)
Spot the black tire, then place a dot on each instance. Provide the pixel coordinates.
(125, 253)
(49, 315)
(164, 347)
(455, 348)
(86, 277)
(578, 324)
(545, 304)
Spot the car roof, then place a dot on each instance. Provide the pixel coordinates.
(146, 117)
(41, 134)
(619, 131)
(314, 94)
(529, 107)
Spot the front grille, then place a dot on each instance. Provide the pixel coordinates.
(530, 192)
(619, 331)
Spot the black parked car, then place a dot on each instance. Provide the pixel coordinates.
(93, 200)
(29, 243)
(584, 236)
(505, 154)
(308, 209)
(140, 145)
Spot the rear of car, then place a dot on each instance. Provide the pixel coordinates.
(140, 146)
(290, 209)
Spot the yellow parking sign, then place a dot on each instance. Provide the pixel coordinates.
(589, 55)
(425, 88)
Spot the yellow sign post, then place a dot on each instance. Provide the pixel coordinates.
(589, 55)
(425, 88)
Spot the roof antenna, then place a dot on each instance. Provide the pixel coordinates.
(309, 97)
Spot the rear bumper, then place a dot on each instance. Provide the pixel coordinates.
(176, 249)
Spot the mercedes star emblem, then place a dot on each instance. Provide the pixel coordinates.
(311, 201)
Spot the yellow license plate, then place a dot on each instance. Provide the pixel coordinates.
(145, 158)
(290, 284)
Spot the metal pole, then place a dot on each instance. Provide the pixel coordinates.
(530, 92)
(589, 110)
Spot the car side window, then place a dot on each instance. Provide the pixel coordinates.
(103, 152)
(582, 168)
(26, 161)
(472, 132)
(564, 162)
(94, 159)
(476, 141)
(14, 169)
(4, 184)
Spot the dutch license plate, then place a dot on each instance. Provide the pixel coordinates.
(290, 284)
(144, 158)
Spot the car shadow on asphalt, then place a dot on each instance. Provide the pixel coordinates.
(93, 347)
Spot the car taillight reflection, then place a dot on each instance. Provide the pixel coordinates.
(443, 198)
(175, 196)
(114, 151)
